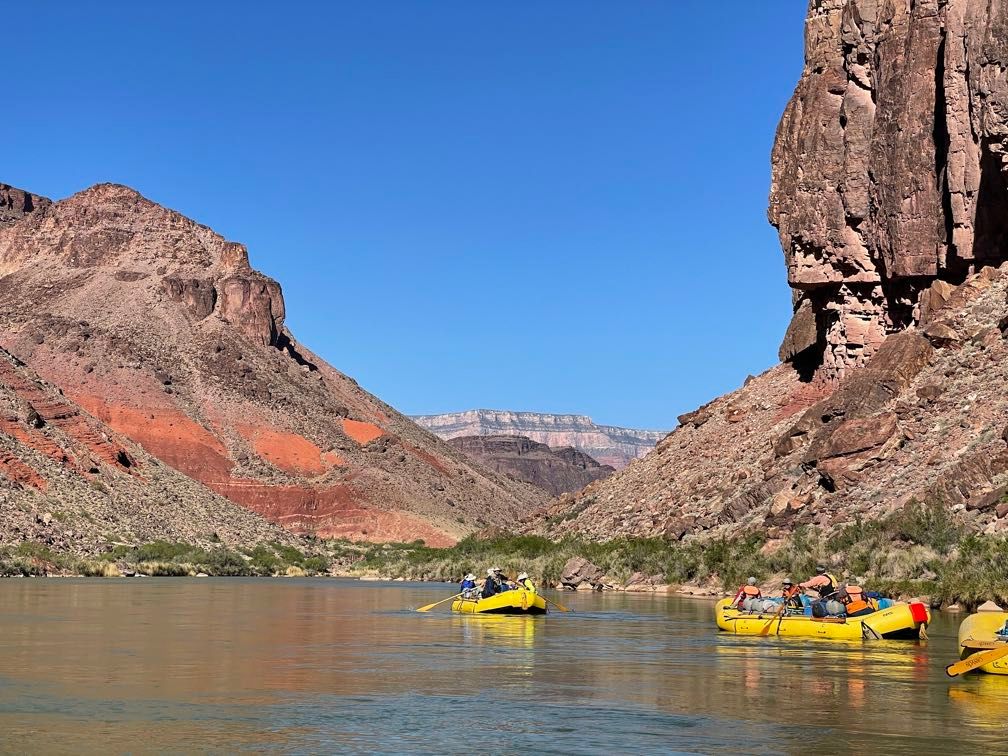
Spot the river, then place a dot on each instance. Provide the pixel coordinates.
(321, 665)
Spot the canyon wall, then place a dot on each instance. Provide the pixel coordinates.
(556, 471)
(889, 169)
(161, 332)
(889, 192)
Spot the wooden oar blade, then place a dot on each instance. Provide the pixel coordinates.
(982, 644)
(975, 661)
(437, 603)
(558, 605)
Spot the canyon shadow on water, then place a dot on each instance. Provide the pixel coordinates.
(308, 666)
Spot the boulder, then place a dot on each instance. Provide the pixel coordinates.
(988, 500)
(697, 417)
(930, 392)
(801, 333)
(932, 300)
(580, 572)
(941, 334)
(855, 437)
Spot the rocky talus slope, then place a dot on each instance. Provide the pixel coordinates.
(924, 420)
(889, 168)
(161, 330)
(70, 482)
(609, 445)
(889, 192)
(556, 471)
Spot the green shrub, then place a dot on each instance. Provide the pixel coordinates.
(977, 573)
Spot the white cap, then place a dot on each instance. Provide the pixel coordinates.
(523, 575)
(470, 576)
(490, 572)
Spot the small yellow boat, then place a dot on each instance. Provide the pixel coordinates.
(518, 601)
(898, 621)
(978, 633)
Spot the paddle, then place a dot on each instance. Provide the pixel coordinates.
(561, 607)
(437, 603)
(779, 616)
(981, 644)
(976, 660)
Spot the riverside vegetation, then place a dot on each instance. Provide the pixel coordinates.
(165, 559)
(923, 549)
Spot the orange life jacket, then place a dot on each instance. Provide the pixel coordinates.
(751, 590)
(857, 606)
(854, 593)
(855, 599)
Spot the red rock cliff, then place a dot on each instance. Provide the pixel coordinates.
(888, 168)
(161, 329)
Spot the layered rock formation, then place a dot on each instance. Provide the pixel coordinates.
(889, 168)
(889, 192)
(556, 471)
(70, 482)
(160, 329)
(607, 444)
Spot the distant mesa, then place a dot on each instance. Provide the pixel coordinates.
(556, 471)
(607, 444)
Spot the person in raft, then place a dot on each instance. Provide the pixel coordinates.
(854, 599)
(823, 583)
(502, 581)
(748, 596)
(524, 581)
(792, 599)
(468, 585)
(492, 584)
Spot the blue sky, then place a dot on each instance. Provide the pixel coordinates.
(550, 206)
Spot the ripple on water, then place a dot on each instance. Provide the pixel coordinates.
(304, 666)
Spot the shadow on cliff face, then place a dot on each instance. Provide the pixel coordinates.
(990, 244)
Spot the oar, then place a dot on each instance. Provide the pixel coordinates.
(976, 660)
(438, 603)
(982, 644)
(561, 607)
(779, 616)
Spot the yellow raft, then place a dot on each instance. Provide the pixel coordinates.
(898, 621)
(977, 634)
(518, 601)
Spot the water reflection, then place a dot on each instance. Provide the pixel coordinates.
(497, 630)
(310, 665)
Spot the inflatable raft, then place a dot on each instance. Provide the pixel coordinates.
(898, 621)
(978, 633)
(509, 602)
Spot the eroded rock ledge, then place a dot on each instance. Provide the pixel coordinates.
(888, 168)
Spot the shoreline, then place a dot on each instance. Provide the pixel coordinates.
(662, 591)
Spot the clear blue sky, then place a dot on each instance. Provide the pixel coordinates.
(551, 206)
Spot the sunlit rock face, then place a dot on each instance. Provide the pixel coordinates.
(607, 444)
(161, 330)
(889, 168)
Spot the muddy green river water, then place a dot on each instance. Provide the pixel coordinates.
(330, 666)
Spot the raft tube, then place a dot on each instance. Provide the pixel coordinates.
(900, 621)
(978, 633)
(509, 602)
